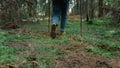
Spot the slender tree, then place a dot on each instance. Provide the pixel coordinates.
(100, 8)
(90, 11)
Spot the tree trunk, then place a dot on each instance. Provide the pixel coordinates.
(100, 8)
(87, 11)
(90, 11)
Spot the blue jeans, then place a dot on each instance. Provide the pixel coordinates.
(60, 8)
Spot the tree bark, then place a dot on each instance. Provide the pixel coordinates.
(100, 8)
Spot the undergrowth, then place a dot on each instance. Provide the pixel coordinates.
(103, 40)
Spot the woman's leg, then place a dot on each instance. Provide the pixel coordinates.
(56, 12)
(55, 17)
(64, 8)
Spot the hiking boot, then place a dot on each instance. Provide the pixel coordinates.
(62, 33)
(53, 31)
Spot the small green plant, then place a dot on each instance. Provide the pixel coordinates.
(100, 51)
(7, 54)
(103, 21)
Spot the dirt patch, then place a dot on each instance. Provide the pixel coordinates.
(74, 16)
(31, 57)
(10, 25)
(77, 57)
(17, 44)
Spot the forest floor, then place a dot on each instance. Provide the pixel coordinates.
(31, 47)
